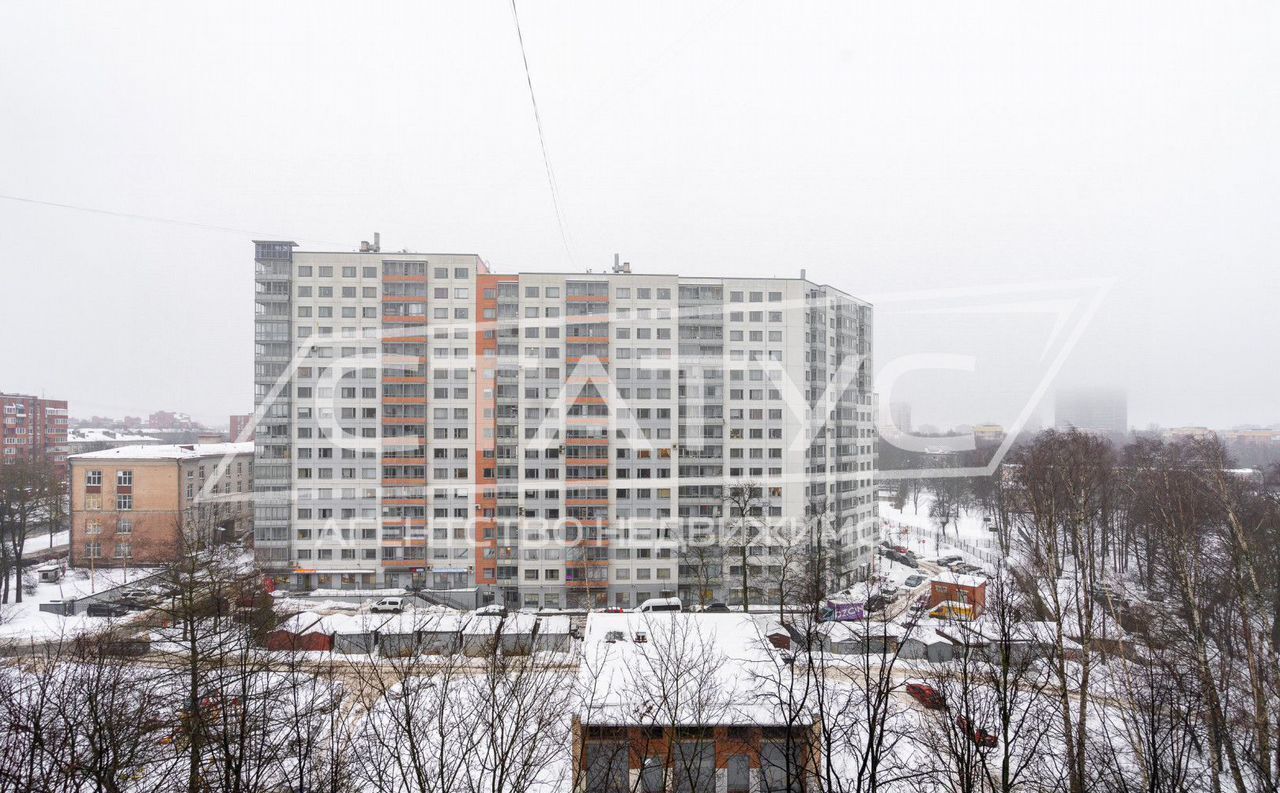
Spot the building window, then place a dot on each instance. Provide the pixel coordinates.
(124, 478)
(93, 478)
(607, 766)
(695, 766)
(124, 550)
(93, 527)
(124, 526)
(124, 503)
(93, 550)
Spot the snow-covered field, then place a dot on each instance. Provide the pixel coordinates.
(26, 622)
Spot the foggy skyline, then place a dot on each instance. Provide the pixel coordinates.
(934, 163)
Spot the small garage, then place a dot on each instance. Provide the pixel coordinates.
(553, 634)
(355, 634)
(927, 645)
(480, 635)
(300, 632)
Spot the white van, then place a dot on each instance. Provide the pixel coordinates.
(661, 604)
(393, 605)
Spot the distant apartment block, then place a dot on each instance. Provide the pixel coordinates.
(549, 438)
(131, 505)
(988, 434)
(1101, 410)
(33, 428)
(241, 424)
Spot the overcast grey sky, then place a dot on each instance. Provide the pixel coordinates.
(886, 148)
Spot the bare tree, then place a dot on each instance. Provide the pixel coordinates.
(743, 512)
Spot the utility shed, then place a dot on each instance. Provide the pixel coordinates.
(480, 635)
(516, 634)
(441, 634)
(301, 631)
(968, 589)
(925, 644)
(552, 635)
(354, 634)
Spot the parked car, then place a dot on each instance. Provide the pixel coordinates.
(660, 604)
(107, 610)
(978, 735)
(927, 696)
(716, 607)
(913, 581)
(889, 593)
(876, 603)
(389, 605)
(901, 549)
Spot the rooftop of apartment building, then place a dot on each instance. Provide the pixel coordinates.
(620, 268)
(176, 451)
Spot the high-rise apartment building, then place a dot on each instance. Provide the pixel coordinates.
(550, 438)
(33, 428)
(1104, 411)
(240, 424)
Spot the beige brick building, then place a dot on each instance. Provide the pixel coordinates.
(129, 505)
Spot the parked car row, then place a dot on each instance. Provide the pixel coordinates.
(956, 564)
(900, 554)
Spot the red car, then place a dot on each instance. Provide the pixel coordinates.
(927, 696)
(900, 548)
(978, 735)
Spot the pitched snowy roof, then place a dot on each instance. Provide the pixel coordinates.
(168, 451)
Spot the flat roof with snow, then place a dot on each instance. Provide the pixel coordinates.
(168, 451)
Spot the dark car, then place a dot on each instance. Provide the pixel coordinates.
(716, 607)
(876, 603)
(927, 696)
(107, 610)
(913, 581)
(978, 735)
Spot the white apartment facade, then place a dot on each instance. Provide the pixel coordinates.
(551, 439)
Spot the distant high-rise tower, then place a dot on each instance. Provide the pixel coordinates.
(1101, 410)
(900, 415)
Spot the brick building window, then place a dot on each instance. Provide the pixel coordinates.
(93, 550)
(124, 503)
(124, 550)
(93, 527)
(124, 526)
(93, 478)
(124, 478)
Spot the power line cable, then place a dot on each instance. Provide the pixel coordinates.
(156, 219)
(542, 140)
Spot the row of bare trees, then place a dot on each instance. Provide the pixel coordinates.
(32, 498)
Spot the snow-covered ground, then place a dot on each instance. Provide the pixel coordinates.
(40, 542)
(26, 622)
(912, 528)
